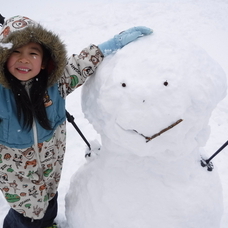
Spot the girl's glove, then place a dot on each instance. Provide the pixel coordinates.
(125, 37)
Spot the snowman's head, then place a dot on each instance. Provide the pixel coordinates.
(154, 97)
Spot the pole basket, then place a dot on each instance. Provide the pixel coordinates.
(208, 164)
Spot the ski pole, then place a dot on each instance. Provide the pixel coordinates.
(208, 162)
(1, 20)
(70, 119)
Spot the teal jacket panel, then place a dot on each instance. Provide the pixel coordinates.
(12, 133)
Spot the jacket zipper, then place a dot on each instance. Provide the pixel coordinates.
(34, 129)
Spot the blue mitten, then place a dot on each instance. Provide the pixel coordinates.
(125, 37)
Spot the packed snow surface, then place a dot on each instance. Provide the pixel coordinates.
(202, 25)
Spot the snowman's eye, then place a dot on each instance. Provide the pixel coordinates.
(124, 85)
(165, 83)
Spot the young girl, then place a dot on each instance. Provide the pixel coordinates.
(35, 78)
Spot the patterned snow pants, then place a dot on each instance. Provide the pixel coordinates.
(16, 220)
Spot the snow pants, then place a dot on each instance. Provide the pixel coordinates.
(16, 220)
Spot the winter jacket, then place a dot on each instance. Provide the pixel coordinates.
(31, 161)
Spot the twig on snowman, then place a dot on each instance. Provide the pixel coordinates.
(161, 132)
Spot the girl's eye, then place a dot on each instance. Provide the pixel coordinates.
(16, 51)
(34, 53)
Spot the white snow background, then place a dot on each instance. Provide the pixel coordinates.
(80, 23)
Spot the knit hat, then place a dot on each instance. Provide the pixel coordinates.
(18, 31)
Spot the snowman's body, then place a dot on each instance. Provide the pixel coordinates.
(151, 104)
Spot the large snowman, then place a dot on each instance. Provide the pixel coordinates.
(150, 103)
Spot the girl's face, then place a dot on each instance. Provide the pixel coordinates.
(26, 62)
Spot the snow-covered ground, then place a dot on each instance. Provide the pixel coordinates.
(204, 23)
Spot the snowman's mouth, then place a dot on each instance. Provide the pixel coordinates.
(160, 132)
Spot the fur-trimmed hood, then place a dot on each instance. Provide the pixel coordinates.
(18, 31)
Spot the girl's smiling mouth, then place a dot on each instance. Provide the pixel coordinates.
(23, 70)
